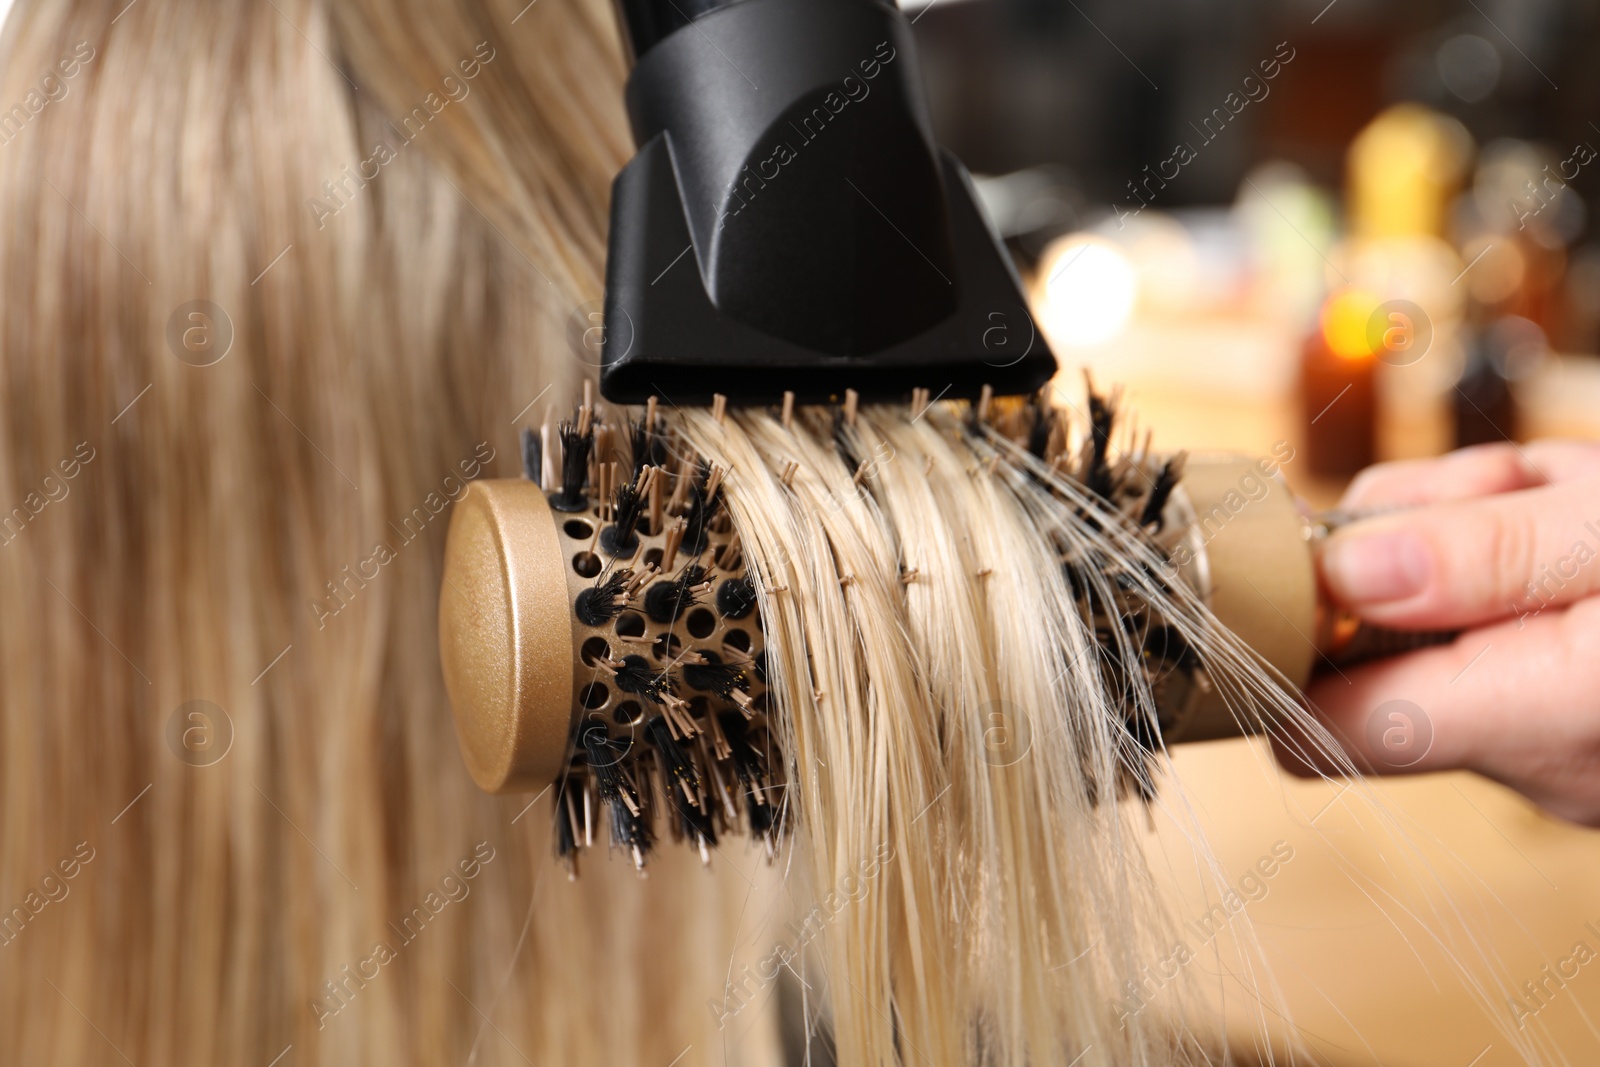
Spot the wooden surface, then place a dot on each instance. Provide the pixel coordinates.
(1401, 894)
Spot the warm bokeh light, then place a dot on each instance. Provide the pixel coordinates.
(1498, 268)
(1166, 266)
(1344, 323)
(1404, 168)
(1089, 290)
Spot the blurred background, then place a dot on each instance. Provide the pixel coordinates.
(1366, 229)
(1266, 202)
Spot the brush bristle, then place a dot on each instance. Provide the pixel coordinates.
(705, 498)
(1139, 489)
(532, 456)
(667, 601)
(604, 600)
(715, 676)
(649, 444)
(577, 442)
(636, 676)
(655, 686)
(627, 508)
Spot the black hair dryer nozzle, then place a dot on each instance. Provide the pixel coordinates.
(788, 223)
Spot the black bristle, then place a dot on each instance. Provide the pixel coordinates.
(532, 456)
(566, 833)
(695, 824)
(743, 756)
(630, 828)
(702, 509)
(1166, 650)
(661, 602)
(1113, 670)
(676, 766)
(636, 676)
(763, 817)
(649, 446)
(1044, 421)
(1160, 492)
(666, 601)
(1141, 741)
(604, 757)
(627, 507)
(631, 831)
(736, 598)
(603, 601)
(575, 449)
(715, 676)
(1076, 580)
(843, 442)
(1101, 417)
(749, 767)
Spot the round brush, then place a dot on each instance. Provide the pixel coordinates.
(601, 635)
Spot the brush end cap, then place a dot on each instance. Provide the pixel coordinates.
(505, 636)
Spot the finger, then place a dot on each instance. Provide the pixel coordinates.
(1471, 472)
(1517, 702)
(1556, 460)
(1412, 713)
(1458, 564)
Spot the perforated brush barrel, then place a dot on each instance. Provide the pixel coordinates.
(604, 640)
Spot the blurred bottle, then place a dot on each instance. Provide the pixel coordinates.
(1404, 172)
(1484, 409)
(1498, 354)
(1581, 303)
(1515, 224)
(1338, 386)
(1404, 169)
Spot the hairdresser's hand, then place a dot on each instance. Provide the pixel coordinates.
(1502, 543)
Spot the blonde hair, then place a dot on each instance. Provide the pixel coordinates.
(916, 602)
(254, 520)
(219, 543)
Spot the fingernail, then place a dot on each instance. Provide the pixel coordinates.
(1376, 568)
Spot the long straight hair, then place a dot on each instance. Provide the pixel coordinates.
(279, 275)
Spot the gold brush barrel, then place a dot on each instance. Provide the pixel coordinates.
(523, 668)
(1247, 553)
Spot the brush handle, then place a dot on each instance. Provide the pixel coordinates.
(1344, 640)
(1369, 643)
(1250, 552)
